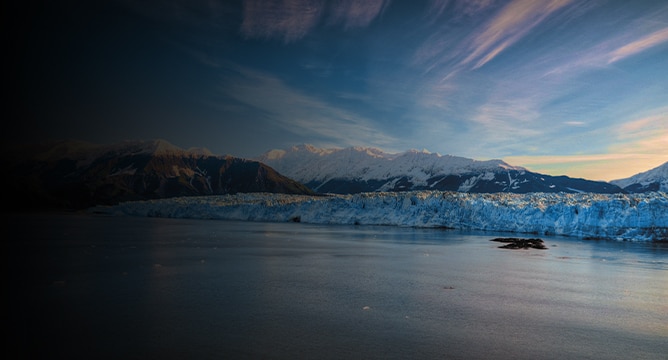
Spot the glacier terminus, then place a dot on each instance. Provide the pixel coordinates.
(633, 217)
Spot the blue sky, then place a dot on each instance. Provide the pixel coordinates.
(559, 86)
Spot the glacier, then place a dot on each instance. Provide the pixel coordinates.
(635, 217)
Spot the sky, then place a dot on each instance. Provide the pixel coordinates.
(562, 87)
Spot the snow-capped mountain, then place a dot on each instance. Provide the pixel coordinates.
(361, 169)
(77, 175)
(611, 216)
(652, 180)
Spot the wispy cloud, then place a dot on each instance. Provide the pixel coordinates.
(356, 13)
(639, 45)
(498, 125)
(512, 23)
(458, 8)
(647, 134)
(612, 50)
(507, 112)
(450, 53)
(301, 114)
(652, 123)
(291, 20)
(639, 144)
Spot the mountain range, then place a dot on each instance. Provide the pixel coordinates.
(74, 174)
(360, 169)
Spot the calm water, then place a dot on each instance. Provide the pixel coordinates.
(84, 286)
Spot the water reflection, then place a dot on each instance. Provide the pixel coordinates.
(133, 287)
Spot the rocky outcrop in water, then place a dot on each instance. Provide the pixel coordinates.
(517, 243)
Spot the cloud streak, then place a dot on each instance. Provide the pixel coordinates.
(512, 23)
(640, 144)
(648, 135)
(292, 20)
(461, 8)
(355, 13)
(639, 45)
(306, 116)
(451, 54)
(610, 51)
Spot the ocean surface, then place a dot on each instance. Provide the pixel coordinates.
(92, 286)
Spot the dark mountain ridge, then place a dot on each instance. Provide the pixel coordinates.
(76, 175)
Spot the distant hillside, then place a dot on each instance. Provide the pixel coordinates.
(652, 180)
(359, 169)
(78, 175)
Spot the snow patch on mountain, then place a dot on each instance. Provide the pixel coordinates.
(306, 163)
(638, 217)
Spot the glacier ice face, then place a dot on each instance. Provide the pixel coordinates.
(608, 216)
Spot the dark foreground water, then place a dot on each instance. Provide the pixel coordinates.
(83, 286)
